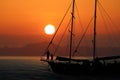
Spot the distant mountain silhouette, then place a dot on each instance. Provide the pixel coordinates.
(28, 50)
(38, 49)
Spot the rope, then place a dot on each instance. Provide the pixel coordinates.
(79, 16)
(82, 37)
(107, 16)
(58, 28)
(62, 37)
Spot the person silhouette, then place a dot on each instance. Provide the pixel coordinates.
(48, 54)
(51, 56)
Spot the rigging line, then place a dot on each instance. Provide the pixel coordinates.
(58, 26)
(106, 26)
(79, 16)
(83, 36)
(109, 17)
(101, 11)
(103, 17)
(110, 22)
(62, 37)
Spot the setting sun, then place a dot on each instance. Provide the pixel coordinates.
(49, 29)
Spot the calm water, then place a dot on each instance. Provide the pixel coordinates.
(31, 68)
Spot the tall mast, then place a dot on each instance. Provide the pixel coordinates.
(72, 23)
(94, 41)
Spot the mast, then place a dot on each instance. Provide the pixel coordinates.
(94, 41)
(72, 23)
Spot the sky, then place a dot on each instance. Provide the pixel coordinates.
(29, 17)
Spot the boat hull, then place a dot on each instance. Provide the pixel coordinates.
(68, 68)
(84, 68)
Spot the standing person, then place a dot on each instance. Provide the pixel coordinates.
(51, 56)
(48, 54)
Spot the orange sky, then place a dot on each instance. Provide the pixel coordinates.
(28, 17)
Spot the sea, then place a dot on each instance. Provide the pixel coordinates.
(32, 68)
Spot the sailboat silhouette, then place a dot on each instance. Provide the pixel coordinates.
(96, 65)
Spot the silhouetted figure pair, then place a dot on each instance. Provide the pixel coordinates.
(49, 54)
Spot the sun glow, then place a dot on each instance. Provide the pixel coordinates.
(49, 29)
